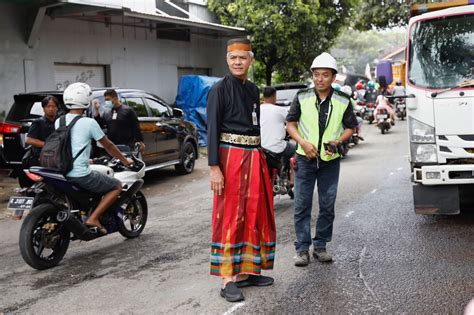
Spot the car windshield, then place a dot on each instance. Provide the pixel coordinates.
(442, 52)
(286, 95)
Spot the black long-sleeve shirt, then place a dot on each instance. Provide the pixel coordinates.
(230, 104)
(122, 125)
(40, 129)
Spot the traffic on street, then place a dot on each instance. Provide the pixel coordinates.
(387, 258)
(237, 157)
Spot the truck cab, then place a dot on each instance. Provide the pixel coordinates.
(440, 107)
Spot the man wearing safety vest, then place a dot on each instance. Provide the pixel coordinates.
(319, 119)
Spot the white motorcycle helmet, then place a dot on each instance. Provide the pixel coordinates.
(347, 90)
(77, 96)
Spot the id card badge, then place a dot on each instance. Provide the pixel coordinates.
(114, 115)
(254, 115)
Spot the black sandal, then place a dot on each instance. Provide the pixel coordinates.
(97, 229)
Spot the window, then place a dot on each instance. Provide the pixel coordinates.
(138, 106)
(157, 109)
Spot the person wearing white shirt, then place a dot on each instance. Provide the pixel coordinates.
(273, 126)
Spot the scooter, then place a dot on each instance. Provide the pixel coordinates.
(56, 210)
(280, 173)
(400, 108)
(383, 120)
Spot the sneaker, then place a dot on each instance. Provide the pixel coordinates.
(252, 280)
(302, 259)
(232, 293)
(322, 255)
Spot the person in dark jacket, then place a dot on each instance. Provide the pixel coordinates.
(121, 121)
(42, 127)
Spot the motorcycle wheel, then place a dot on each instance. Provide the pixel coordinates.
(382, 130)
(135, 217)
(39, 232)
(371, 119)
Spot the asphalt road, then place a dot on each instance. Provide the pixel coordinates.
(387, 259)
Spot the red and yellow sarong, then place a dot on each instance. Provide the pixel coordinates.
(243, 223)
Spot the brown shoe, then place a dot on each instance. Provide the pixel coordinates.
(302, 259)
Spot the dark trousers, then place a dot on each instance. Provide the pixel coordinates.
(326, 174)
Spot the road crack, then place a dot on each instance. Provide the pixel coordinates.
(366, 284)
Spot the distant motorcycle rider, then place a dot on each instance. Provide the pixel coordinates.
(399, 89)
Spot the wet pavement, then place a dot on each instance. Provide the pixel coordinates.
(387, 259)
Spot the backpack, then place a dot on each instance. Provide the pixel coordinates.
(57, 152)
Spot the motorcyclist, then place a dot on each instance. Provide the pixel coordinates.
(273, 128)
(77, 98)
(382, 102)
(348, 90)
(399, 90)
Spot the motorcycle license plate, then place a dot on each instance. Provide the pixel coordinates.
(382, 116)
(20, 206)
(401, 106)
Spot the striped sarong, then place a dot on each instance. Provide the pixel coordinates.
(243, 223)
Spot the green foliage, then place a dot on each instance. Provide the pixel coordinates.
(356, 49)
(382, 14)
(286, 35)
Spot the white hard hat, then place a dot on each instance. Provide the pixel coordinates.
(347, 89)
(77, 96)
(324, 60)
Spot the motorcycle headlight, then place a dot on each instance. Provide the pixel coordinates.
(420, 132)
(423, 153)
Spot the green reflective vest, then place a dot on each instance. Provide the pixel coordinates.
(308, 125)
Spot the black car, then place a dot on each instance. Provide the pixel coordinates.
(285, 92)
(169, 139)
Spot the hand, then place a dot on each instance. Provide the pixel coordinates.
(96, 104)
(217, 180)
(142, 148)
(309, 149)
(129, 162)
(335, 143)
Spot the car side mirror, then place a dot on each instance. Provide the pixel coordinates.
(178, 113)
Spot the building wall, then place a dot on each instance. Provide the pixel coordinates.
(135, 57)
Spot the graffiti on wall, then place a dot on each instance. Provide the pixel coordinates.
(84, 76)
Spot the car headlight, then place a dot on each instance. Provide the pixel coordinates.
(420, 132)
(423, 153)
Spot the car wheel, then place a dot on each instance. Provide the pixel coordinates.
(188, 159)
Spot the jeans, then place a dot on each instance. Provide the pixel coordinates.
(327, 176)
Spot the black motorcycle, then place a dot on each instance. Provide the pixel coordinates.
(57, 210)
(280, 173)
(400, 108)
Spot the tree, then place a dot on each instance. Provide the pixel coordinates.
(382, 14)
(354, 49)
(286, 34)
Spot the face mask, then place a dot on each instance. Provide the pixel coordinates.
(108, 104)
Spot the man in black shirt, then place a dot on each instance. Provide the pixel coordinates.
(243, 223)
(42, 127)
(121, 121)
(319, 119)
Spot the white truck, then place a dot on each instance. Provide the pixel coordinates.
(440, 105)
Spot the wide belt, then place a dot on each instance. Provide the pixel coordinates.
(240, 139)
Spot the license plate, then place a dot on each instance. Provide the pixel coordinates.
(382, 116)
(20, 206)
(401, 106)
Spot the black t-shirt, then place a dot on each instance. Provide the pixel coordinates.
(40, 129)
(122, 125)
(349, 120)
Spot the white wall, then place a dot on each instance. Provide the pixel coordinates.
(136, 59)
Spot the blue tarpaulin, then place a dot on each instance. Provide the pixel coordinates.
(192, 99)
